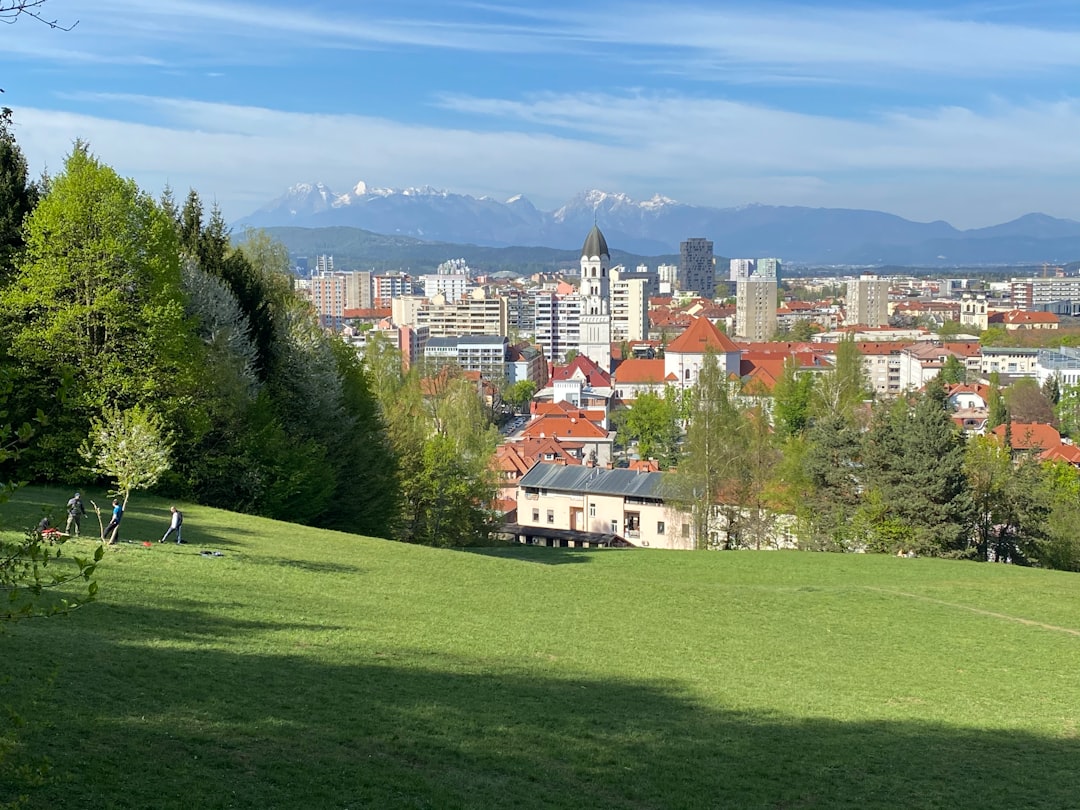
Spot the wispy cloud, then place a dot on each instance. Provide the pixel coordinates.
(767, 41)
(720, 153)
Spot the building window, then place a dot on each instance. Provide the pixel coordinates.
(686, 530)
(551, 515)
(660, 527)
(592, 510)
(536, 515)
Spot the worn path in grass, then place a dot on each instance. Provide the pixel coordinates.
(317, 669)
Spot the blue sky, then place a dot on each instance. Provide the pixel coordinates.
(967, 112)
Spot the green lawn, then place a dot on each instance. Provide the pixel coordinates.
(313, 669)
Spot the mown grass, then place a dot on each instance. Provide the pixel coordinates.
(321, 670)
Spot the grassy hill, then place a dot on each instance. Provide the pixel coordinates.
(312, 669)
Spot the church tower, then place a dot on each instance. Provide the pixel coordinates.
(595, 336)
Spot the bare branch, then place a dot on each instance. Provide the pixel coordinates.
(11, 10)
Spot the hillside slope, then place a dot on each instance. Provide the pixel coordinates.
(305, 668)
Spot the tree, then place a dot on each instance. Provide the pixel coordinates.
(651, 422)
(953, 371)
(916, 461)
(997, 411)
(1027, 403)
(792, 396)
(96, 307)
(844, 387)
(520, 394)
(1011, 503)
(11, 10)
(712, 452)
(129, 447)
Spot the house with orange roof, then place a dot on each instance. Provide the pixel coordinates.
(684, 356)
(578, 436)
(1016, 319)
(635, 376)
(968, 395)
(1027, 436)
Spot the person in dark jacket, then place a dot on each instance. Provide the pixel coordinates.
(76, 512)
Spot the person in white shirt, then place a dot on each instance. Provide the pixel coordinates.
(174, 525)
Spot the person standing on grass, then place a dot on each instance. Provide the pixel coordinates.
(76, 512)
(174, 525)
(114, 524)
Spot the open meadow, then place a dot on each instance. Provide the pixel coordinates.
(313, 669)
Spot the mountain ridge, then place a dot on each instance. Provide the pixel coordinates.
(656, 226)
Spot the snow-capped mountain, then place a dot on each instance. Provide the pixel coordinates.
(656, 226)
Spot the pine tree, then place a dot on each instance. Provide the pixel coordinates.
(17, 196)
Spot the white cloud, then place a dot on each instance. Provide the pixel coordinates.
(972, 168)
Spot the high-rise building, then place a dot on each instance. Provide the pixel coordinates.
(755, 308)
(868, 301)
(741, 268)
(767, 268)
(697, 270)
(630, 305)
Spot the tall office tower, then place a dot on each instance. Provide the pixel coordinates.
(697, 270)
(868, 301)
(324, 264)
(755, 308)
(740, 268)
(594, 339)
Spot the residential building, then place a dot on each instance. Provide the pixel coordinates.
(1063, 363)
(482, 353)
(524, 362)
(755, 308)
(629, 306)
(868, 301)
(1009, 360)
(476, 314)
(697, 267)
(388, 286)
(741, 268)
(558, 323)
(1058, 295)
(451, 279)
(587, 503)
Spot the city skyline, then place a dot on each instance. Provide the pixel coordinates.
(954, 111)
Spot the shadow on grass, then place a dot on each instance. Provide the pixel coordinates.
(538, 555)
(211, 728)
(314, 566)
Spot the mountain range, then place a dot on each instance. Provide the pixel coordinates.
(798, 235)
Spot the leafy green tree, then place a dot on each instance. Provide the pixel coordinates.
(917, 464)
(1060, 546)
(652, 422)
(1011, 503)
(842, 389)
(130, 447)
(792, 397)
(96, 307)
(1068, 410)
(997, 410)
(953, 371)
(520, 394)
(713, 453)
(1027, 403)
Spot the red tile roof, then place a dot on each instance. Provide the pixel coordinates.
(701, 336)
(635, 370)
(1027, 436)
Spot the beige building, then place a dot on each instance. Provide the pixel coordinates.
(868, 301)
(755, 308)
(590, 502)
(629, 306)
(476, 314)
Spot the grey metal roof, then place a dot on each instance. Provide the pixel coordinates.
(593, 479)
(595, 244)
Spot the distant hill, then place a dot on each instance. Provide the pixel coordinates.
(358, 249)
(655, 227)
